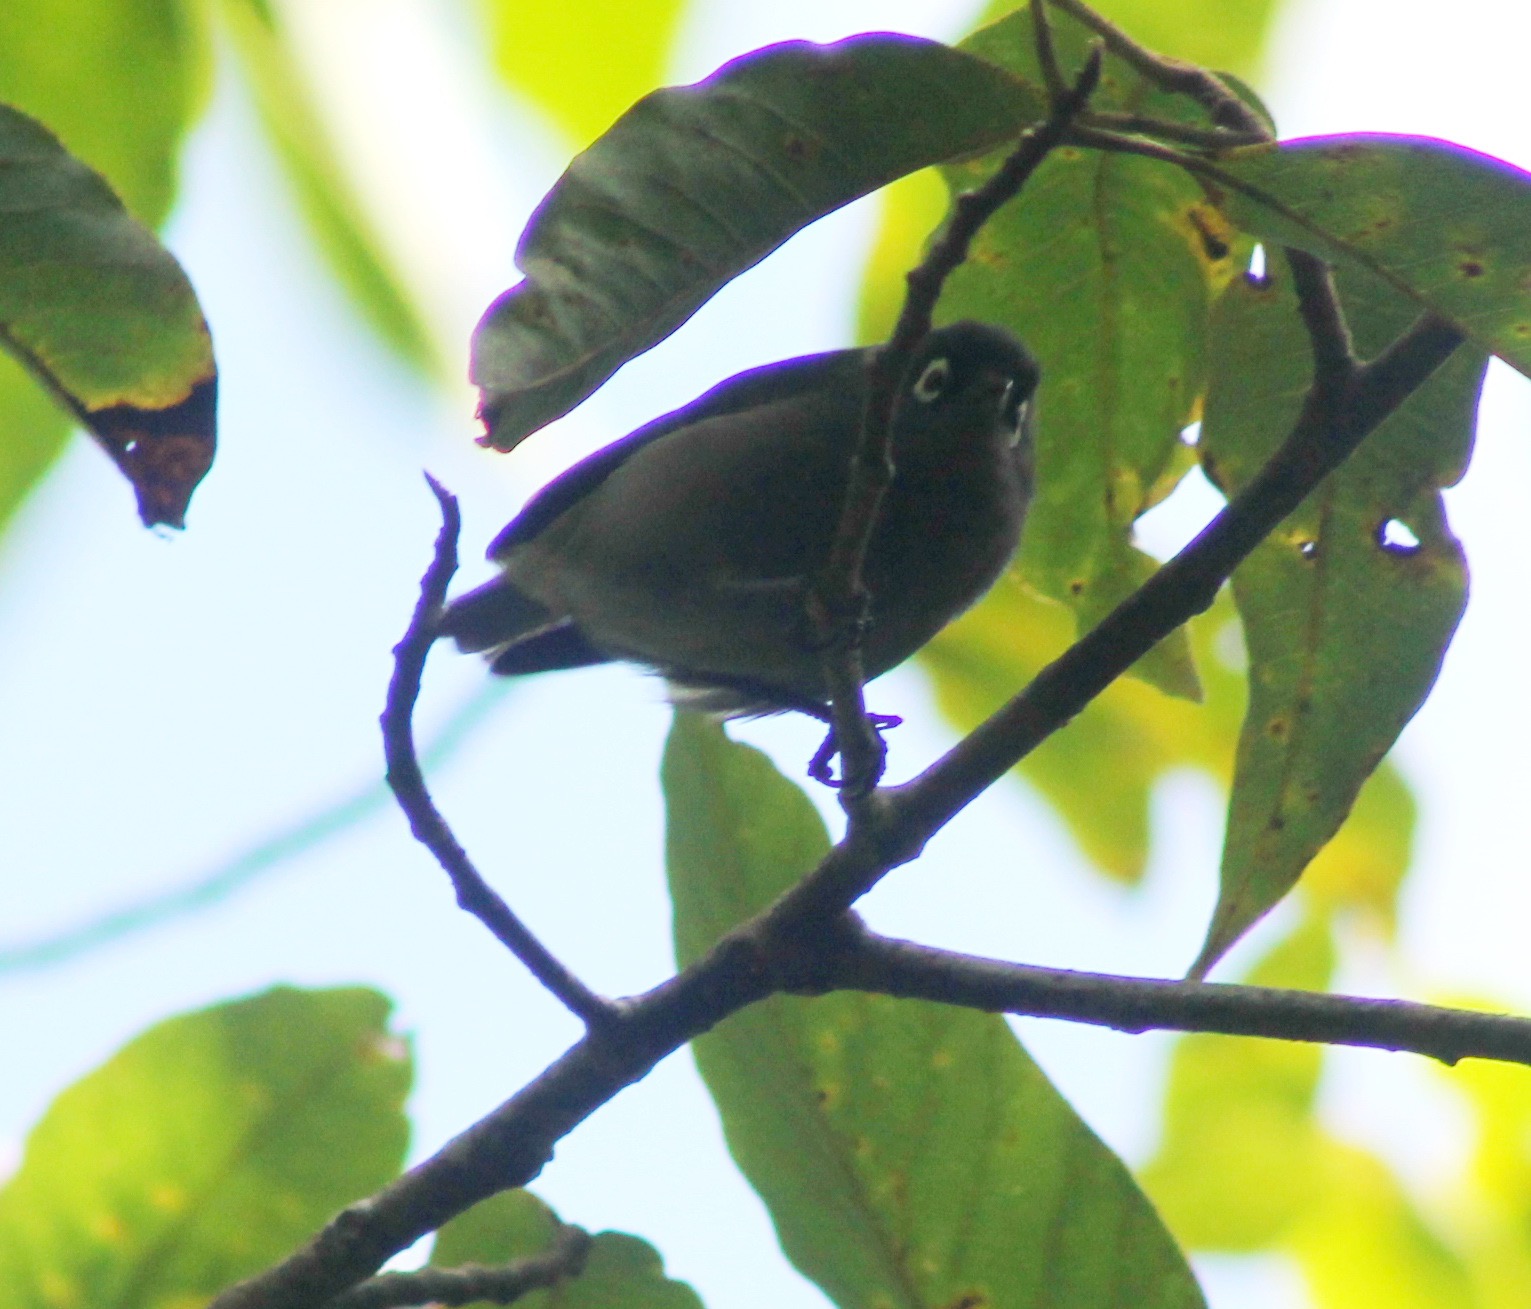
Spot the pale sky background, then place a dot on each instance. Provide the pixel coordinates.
(169, 701)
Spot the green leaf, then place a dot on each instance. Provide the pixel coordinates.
(1242, 1155)
(1106, 265)
(695, 184)
(1446, 226)
(910, 1154)
(1363, 1244)
(1345, 631)
(584, 63)
(32, 432)
(101, 312)
(203, 1150)
(336, 215)
(121, 82)
(620, 1272)
(1098, 772)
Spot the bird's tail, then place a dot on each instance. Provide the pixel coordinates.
(493, 615)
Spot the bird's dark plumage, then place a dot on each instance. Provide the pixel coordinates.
(688, 546)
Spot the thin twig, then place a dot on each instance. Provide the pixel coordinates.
(1329, 429)
(1205, 138)
(1334, 359)
(908, 970)
(1047, 54)
(425, 821)
(1207, 89)
(837, 605)
(474, 1283)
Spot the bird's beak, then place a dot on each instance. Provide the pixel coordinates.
(999, 385)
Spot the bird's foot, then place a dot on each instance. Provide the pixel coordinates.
(818, 766)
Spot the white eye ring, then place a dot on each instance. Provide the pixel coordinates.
(933, 380)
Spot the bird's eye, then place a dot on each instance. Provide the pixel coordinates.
(933, 380)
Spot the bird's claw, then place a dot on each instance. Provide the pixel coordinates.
(818, 766)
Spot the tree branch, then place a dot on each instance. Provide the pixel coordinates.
(425, 821)
(907, 970)
(1173, 75)
(801, 940)
(837, 605)
(471, 1283)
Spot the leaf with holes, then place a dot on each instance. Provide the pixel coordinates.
(96, 308)
(1106, 265)
(620, 1271)
(910, 1153)
(204, 1150)
(1448, 227)
(695, 184)
(1348, 605)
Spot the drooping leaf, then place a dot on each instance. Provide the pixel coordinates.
(1448, 227)
(695, 184)
(95, 307)
(910, 1154)
(204, 1150)
(583, 64)
(120, 82)
(620, 1272)
(1346, 626)
(1106, 265)
(336, 214)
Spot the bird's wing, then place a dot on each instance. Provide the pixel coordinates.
(757, 386)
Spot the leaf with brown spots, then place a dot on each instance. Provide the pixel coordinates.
(695, 184)
(1107, 266)
(1448, 227)
(1345, 627)
(911, 1154)
(102, 314)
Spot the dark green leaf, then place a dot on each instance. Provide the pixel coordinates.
(1106, 266)
(621, 1271)
(337, 216)
(1448, 227)
(695, 184)
(203, 1150)
(910, 1154)
(1346, 629)
(102, 313)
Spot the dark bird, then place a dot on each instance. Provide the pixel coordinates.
(689, 546)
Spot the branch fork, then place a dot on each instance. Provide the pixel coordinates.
(809, 942)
